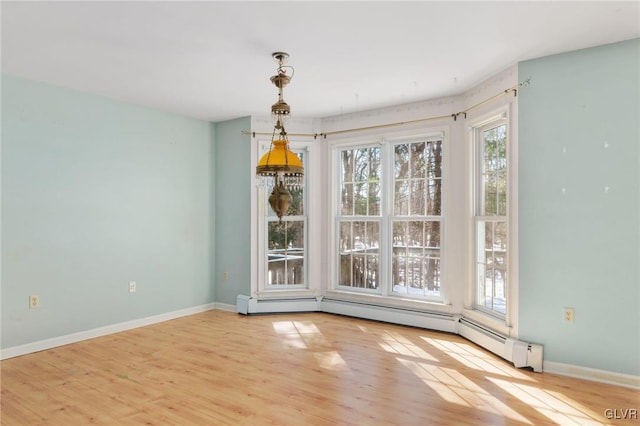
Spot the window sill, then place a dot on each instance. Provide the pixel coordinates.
(393, 302)
(497, 324)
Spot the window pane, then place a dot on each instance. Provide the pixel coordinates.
(488, 289)
(435, 160)
(360, 199)
(490, 195)
(374, 199)
(346, 239)
(285, 254)
(494, 171)
(489, 152)
(492, 265)
(500, 237)
(499, 299)
(501, 193)
(434, 200)
(297, 202)
(501, 154)
(401, 165)
(347, 199)
(418, 178)
(297, 194)
(417, 160)
(359, 254)
(360, 181)
(416, 257)
(417, 197)
(401, 199)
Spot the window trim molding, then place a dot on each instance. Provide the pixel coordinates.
(258, 286)
(507, 109)
(401, 134)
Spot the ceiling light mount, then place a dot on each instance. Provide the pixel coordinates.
(280, 110)
(280, 57)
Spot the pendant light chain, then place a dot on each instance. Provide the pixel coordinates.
(279, 162)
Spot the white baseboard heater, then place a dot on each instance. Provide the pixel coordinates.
(521, 354)
(428, 320)
(248, 305)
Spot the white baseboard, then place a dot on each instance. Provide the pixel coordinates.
(225, 307)
(101, 331)
(595, 375)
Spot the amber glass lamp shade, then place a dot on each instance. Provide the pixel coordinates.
(286, 169)
(279, 159)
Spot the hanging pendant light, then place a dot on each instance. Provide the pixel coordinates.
(280, 163)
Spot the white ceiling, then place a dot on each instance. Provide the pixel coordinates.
(212, 60)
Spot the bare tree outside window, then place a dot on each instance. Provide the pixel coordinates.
(415, 203)
(416, 223)
(491, 218)
(359, 223)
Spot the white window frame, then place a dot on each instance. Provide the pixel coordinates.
(392, 217)
(335, 257)
(480, 219)
(311, 288)
(385, 295)
(506, 324)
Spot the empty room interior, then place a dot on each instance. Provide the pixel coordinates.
(320, 213)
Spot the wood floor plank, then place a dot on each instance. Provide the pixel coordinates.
(221, 368)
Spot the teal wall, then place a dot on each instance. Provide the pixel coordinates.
(233, 210)
(96, 193)
(579, 130)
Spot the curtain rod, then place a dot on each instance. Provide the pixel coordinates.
(247, 132)
(513, 89)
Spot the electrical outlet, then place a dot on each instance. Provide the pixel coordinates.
(568, 315)
(132, 286)
(34, 301)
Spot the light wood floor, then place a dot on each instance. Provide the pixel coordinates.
(221, 368)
